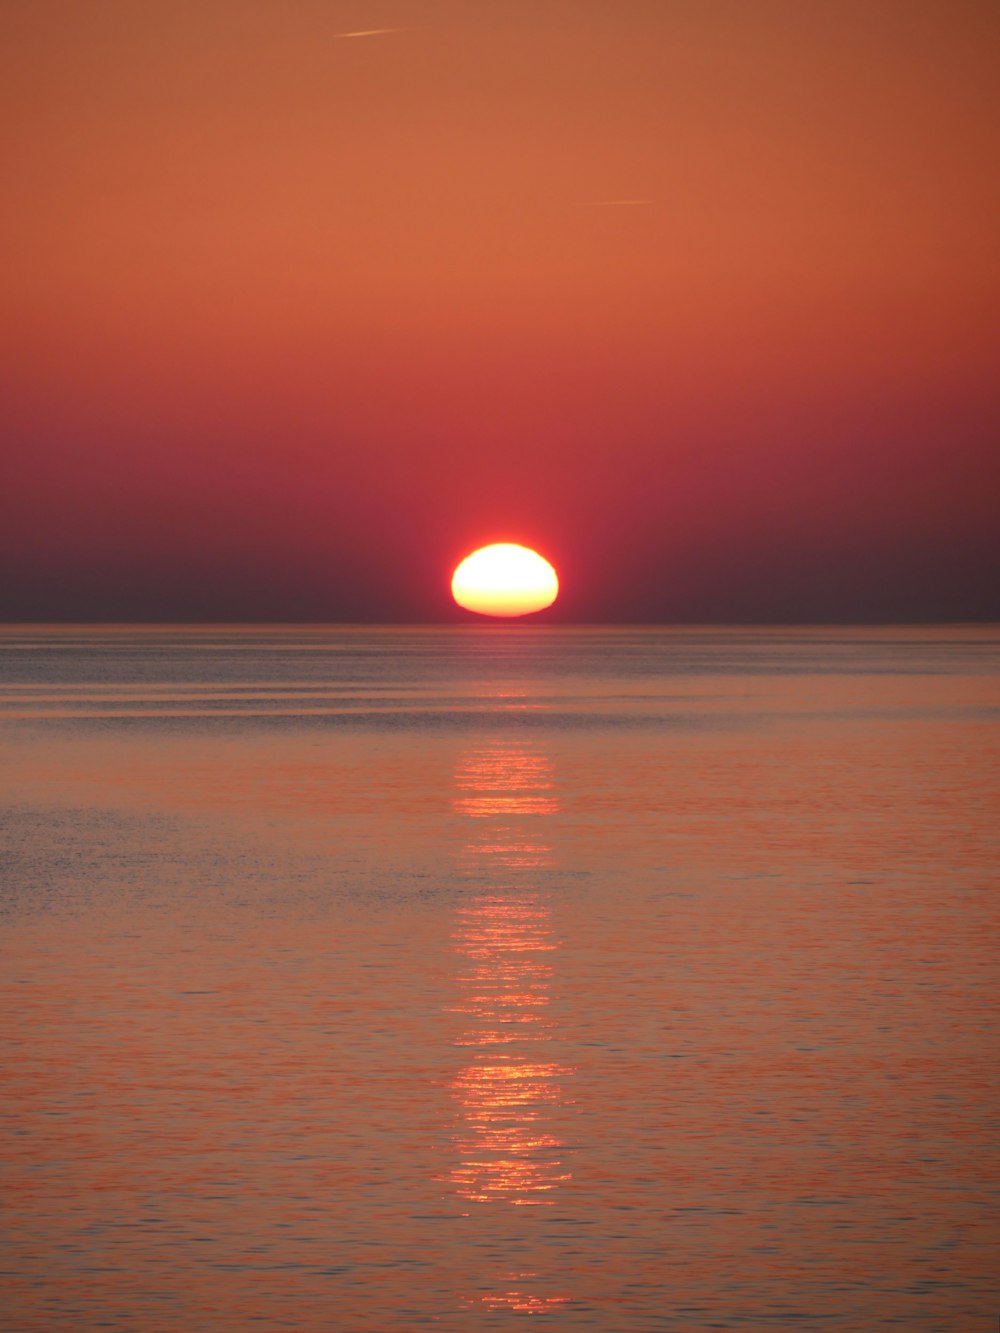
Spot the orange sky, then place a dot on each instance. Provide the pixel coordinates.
(292, 320)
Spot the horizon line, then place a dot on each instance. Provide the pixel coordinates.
(498, 622)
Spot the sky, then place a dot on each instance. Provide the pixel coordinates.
(699, 298)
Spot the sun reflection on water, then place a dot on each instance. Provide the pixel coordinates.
(507, 1089)
(504, 782)
(523, 1302)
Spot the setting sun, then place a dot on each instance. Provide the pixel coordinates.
(504, 580)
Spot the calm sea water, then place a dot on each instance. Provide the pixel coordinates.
(388, 979)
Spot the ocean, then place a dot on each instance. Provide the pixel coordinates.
(387, 978)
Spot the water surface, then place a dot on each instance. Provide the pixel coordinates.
(382, 979)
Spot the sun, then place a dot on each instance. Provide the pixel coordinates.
(504, 580)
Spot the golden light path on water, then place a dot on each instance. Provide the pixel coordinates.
(508, 1156)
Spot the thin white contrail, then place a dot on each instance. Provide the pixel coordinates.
(372, 32)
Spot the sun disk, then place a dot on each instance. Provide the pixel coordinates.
(504, 580)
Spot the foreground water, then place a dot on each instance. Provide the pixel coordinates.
(374, 979)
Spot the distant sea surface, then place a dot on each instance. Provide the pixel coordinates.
(612, 980)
